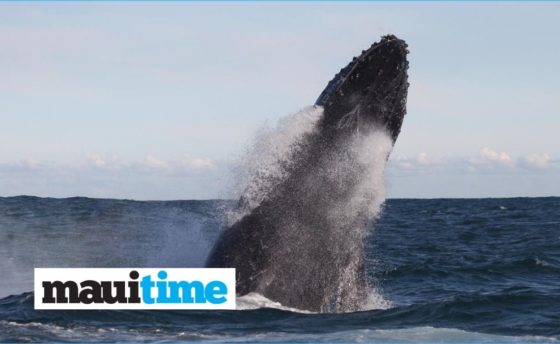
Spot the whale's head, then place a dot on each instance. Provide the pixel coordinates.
(369, 93)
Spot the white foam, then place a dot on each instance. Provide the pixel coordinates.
(375, 300)
(256, 301)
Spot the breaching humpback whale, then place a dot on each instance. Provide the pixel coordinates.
(303, 245)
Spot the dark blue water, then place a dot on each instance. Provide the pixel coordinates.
(443, 270)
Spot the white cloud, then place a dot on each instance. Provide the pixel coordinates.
(403, 162)
(107, 176)
(492, 155)
(198, 163)
(536, 160)
(488, 156)
(153, 162)
(30, 163)
(96, 160)
(150, 164)
(177, 166)
(27, 165)
(423, 159)
(487, 160)
(489, 173)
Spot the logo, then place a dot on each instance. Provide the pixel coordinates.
(134, 288)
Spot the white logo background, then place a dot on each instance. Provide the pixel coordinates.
(225, 275)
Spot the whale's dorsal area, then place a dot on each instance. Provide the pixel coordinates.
(302, 245)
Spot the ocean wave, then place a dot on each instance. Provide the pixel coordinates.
(261, 319)
(41, 332)
(432, 271)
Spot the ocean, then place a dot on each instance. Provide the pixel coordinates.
(453, 270)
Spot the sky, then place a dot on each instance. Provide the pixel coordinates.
(143, 100)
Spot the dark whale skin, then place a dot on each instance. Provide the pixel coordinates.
(287, 248)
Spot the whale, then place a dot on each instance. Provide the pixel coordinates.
(302, 245)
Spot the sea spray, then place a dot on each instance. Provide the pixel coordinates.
(325, 244)
(265, 162)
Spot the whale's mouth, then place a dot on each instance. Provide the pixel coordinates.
(370, 91)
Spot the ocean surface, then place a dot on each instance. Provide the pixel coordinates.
(454, 270)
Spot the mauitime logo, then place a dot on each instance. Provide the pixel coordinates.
(134, 288)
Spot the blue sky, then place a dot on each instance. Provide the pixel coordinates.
(155, 100)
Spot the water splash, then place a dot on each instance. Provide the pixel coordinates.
(322, 196)
(257, 301)
(265, 163)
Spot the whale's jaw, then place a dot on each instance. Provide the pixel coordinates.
(371, 91)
